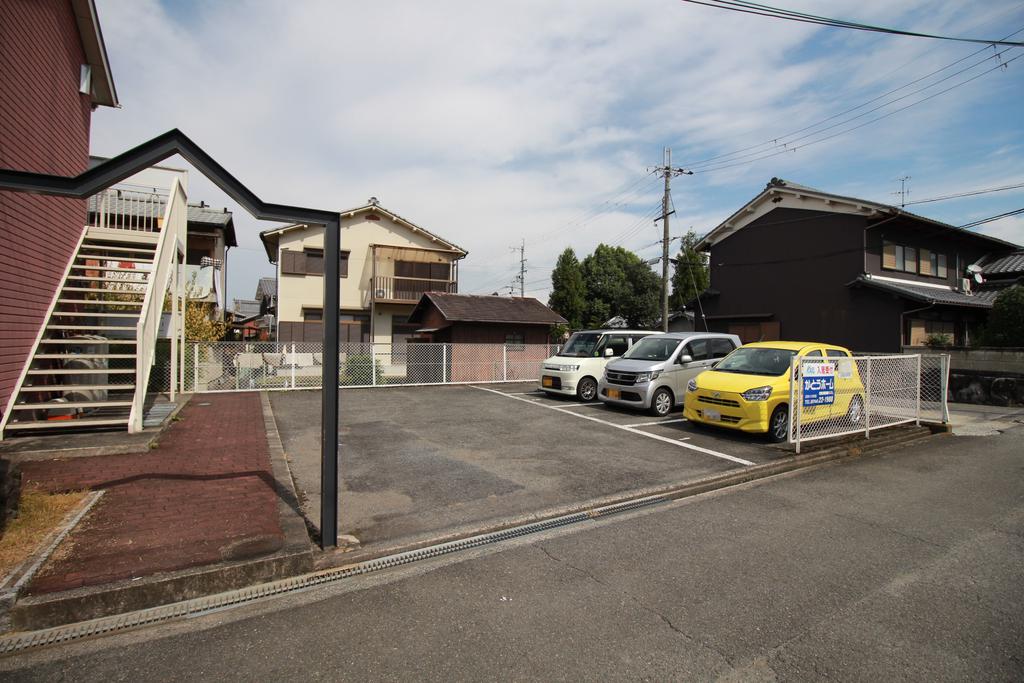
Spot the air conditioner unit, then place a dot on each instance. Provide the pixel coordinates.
(965, 285)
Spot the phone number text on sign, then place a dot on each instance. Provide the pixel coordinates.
(819, 384)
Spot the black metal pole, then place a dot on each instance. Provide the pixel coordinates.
(329, 423)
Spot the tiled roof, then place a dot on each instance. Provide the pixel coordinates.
(267, 287)
(1001, 265)
(491, 309)
(982, 298)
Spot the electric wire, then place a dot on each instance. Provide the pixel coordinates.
(790, 15)
(971, 193)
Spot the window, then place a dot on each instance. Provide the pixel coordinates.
(516, 340)
(836, 353)
(312, 314)
(909, 260)
(939, 265)
(698, 349)
(892, 256)
(720, 348)
(927, 267)
(618, 343)
(343, 264)
(314, 261)
(293, 262)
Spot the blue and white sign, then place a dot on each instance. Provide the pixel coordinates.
(819, 388)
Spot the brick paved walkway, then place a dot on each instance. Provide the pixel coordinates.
(204, 495)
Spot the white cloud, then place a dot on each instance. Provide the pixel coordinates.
(488, 123)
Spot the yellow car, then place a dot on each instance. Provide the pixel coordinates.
(749, 389)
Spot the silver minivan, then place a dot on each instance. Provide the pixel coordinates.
(653, 374)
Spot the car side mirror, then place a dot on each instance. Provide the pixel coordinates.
(609, 352)
(685, 358)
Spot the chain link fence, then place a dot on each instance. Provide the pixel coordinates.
(253, 366)
(836, 396)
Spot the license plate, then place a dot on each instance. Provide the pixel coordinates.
(712, 415)
(549, 382)
(614, 393)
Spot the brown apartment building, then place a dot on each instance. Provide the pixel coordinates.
(53, 73)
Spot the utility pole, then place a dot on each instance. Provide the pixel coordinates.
(667, 173)
(521, 278)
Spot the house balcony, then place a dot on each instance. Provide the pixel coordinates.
(121, 209)
(406, 290)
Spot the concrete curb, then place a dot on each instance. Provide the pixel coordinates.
(874, 446)
(81, 604)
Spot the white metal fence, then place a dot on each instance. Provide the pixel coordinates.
(836, 396)
(252, 366)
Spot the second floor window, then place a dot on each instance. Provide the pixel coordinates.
(310, 262)
(423, 271)
(912, 260)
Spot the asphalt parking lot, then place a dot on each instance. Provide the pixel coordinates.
(417, 462)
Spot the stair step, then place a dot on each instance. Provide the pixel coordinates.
(66, 356)
(83, 371)
(95, 233)
(126, 259)
(95, 290)
(93, 314)
(115, 328)
(71, 404)
(67, 424)
(128, 281)
(76, 387)
(110, 269)
(84, 342)
(97, 302)
(89, 245)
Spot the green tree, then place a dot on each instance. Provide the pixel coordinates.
(690, 276)
(618, 282)
(1006, 320)
(568, 295)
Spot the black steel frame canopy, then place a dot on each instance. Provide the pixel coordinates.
(173, 142)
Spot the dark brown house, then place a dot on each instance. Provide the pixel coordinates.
(797, 263)
(468, 318)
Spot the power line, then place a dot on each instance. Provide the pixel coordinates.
(992, 218)
(861, 125)
(774, 142)
(967, 194)
(789, 15)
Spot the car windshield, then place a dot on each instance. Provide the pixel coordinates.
(652, 348)
(757, 361)
(580, 345)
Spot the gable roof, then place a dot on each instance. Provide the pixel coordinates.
(267, 286)
(779, 193)
(486, 309)
(269, 237)
(91, 35)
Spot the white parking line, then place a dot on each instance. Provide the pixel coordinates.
(624, 428)
(581, 405)
(659, 422)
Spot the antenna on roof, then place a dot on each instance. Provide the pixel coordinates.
(904, 191)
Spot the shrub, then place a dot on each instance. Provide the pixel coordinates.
(938, 341)
(359, 369)
(1006, 321)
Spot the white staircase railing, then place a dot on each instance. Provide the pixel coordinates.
(173, 238)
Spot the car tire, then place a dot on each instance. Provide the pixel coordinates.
(586, 390)
(662, 402)
(855, 413)
(778, 424)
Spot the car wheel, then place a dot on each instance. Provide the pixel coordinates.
(855, 413)
(661, 402)
(778, 425)
(586, 390)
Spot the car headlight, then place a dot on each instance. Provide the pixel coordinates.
(758, 394)
(692, 385)
(647, 376)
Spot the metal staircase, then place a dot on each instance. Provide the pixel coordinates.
(91, 364)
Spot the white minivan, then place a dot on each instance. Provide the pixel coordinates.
(653, 374)
(576, 368)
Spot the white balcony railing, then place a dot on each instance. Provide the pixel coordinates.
(127, 210)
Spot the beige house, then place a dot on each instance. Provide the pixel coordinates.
(387, 263)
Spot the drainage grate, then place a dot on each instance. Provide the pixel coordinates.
(198, 606)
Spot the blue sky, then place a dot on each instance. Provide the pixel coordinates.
(492, 123)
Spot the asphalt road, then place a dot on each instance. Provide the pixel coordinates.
(906, 566)
(417, 462)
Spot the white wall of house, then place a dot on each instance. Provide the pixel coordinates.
(358, 235)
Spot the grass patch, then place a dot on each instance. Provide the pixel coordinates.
(38, 514)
